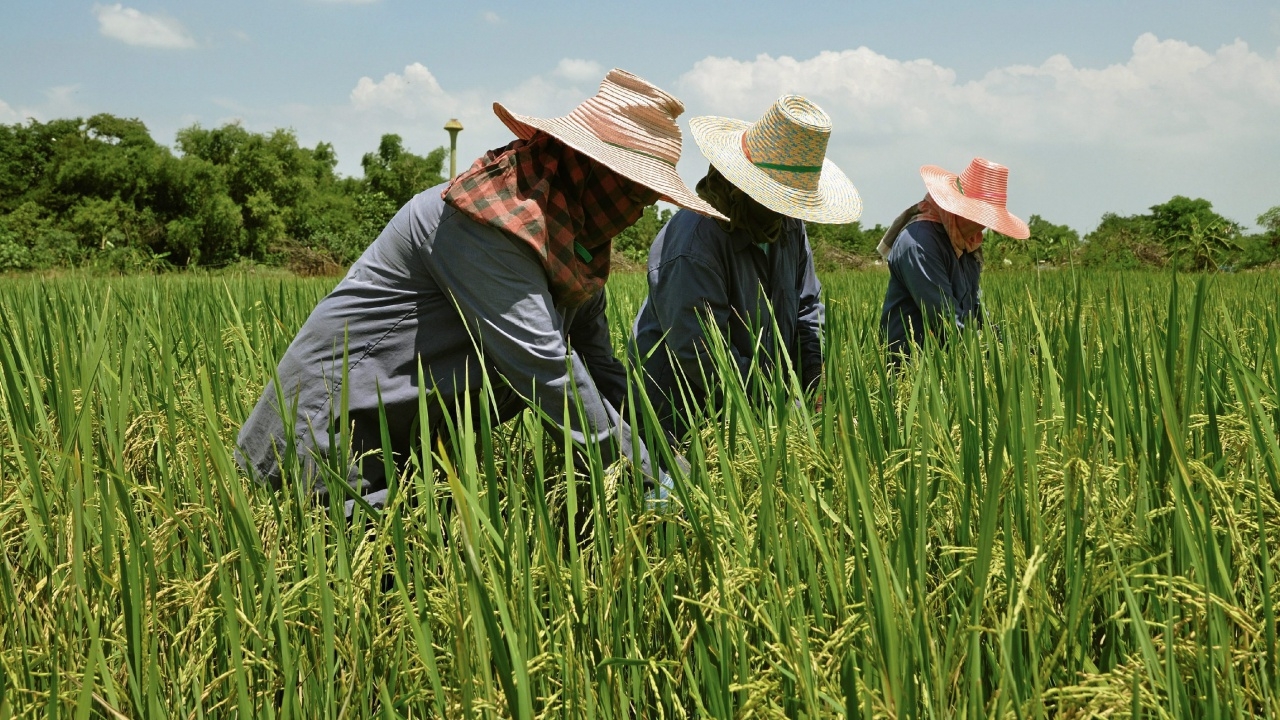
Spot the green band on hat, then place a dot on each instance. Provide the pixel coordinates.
(789, 168)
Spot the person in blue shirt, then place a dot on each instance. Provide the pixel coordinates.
(499, 273)
(934, 253)
(747, 274)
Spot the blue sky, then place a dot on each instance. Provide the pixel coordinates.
(1095, 106)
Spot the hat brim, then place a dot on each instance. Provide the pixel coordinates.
(834, 201)
(647, 170)
(942, 185)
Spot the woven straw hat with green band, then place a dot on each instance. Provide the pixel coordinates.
(780, 161)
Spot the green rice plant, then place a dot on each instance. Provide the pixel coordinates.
(1075, 518)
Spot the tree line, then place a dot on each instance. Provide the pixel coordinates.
(101, 193)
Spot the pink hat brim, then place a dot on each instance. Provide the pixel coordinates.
(943, 187)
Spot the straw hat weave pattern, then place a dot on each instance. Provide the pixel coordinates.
(979, 194)
(780, 161)
(628, 126)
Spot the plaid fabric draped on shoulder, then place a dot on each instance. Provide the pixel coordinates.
(563, 204)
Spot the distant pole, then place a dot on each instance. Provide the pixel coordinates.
(453, 127)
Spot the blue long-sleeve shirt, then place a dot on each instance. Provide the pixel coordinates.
(433, 286)
(927, 282)
(699, 273)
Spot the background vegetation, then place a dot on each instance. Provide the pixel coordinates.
(102, 194)
(1080, 520)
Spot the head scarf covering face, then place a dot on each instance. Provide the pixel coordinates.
(961, 242)
(764, 225)
(928, 210)
(560, 202)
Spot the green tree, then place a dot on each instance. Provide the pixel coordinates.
(273, 180)
(1262, 248)
(1195, 237)
(398, 173)
(634, 242)
(1121, 242)
(1270, 222)
(1048, 243)
(847, 237)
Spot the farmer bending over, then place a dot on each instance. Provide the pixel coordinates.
(744, 273)
(512, 256)
(934, 252)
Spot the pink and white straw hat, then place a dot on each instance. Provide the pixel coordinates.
(780, 161)
(978, 194)
(628, 126)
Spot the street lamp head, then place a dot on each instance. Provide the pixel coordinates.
(453, 127)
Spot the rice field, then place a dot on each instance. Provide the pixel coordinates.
(1078, 518)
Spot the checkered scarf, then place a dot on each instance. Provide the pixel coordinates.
(562, 203)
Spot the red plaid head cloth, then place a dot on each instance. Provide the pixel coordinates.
(560, 202)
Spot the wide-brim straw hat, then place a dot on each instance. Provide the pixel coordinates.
(628, 126)
(780, 161)
(978, 194)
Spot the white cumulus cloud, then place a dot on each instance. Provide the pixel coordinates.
(408, 94)
(492, 17)
(134, 27)
(1173, 118)
(9, 116)
(579, 71)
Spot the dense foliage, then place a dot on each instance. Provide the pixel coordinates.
(1077, 519)
(101, 193)
(1183, 233)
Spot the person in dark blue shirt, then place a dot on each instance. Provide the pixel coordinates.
(934, 252)
(749, 274)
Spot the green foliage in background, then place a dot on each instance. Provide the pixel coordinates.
(1048, 243)
(633, 243)
(101, 193)
(1080, 520)
(850, 237)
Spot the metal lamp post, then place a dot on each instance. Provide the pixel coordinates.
(453, 127)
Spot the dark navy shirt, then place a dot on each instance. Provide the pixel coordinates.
(927, 282)
(700, 273)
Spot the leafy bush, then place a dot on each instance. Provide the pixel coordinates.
(1121, 243)
(634, 242)
(1048, 244)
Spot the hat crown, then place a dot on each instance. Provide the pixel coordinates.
(985, 180)
(634, 114)
(790, 142)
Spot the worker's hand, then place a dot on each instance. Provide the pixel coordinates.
(661, 497)
(682, 464)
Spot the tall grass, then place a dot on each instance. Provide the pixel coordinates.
(1079, 520)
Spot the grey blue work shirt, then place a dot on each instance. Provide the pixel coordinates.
(927, 282)
(433, 286)
(700, 273)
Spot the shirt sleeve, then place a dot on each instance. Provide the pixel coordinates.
(689, 293)
(922, 268)
(589, 337)
(502, 294)
(812, 316)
